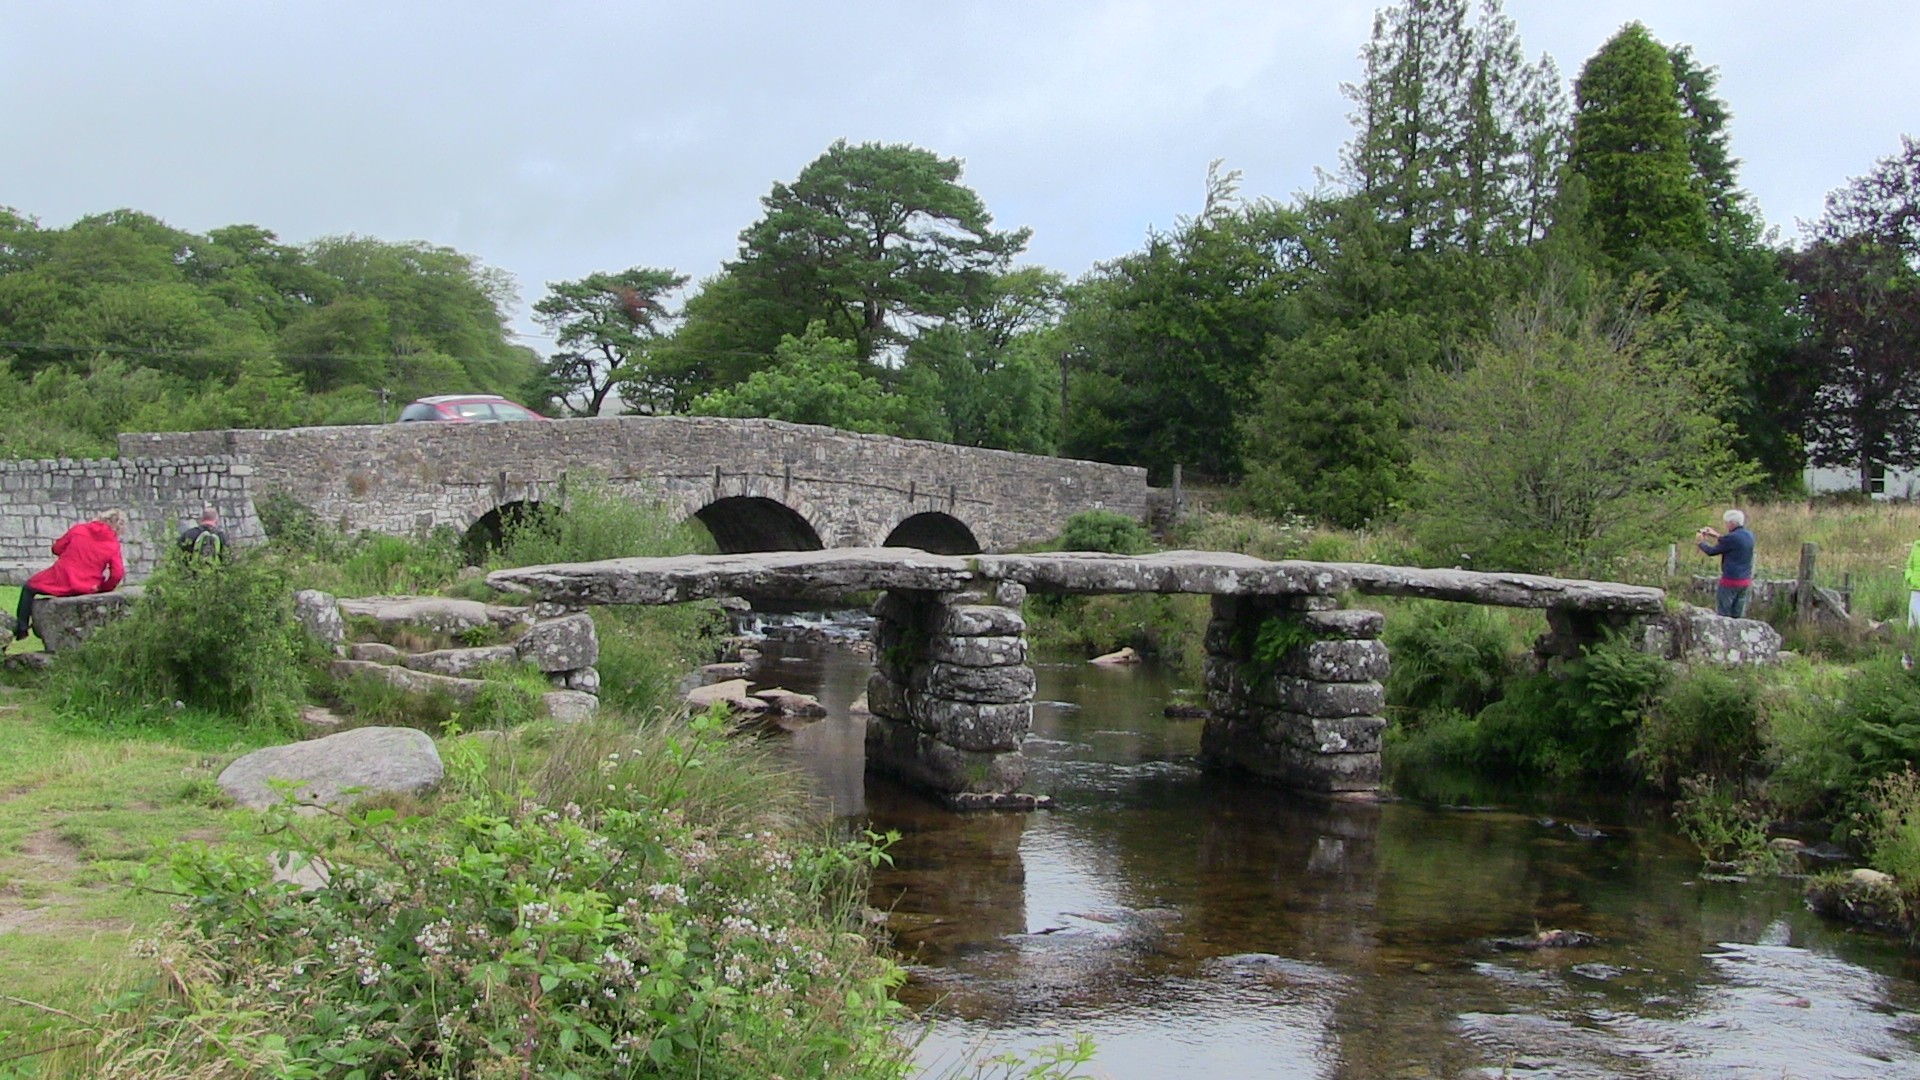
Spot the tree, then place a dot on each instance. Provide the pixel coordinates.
(992, 370)
(1631, 146)
(1164, 346)
(1856, 371)
(817, 379)
(605, 325)
(1456, 137)
(1571, 438)
(877, 242)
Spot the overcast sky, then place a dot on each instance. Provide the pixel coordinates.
(559, 138)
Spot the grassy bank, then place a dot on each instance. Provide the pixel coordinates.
(635, 896)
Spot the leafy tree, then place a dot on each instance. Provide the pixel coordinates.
(1571, 439)
(1164, 346)
(1858, 281)
(605, 325)
(1631, 146)
(875, 241)
(817, 379)
(992, 369)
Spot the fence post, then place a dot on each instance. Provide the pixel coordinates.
(1673, 560)
(1803, 584)
(1176, 493)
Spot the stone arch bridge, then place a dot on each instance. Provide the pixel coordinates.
(757, 485)
(952, 693)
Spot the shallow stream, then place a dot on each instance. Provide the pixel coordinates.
(1200, 925)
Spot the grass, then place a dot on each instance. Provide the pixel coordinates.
(78, 816)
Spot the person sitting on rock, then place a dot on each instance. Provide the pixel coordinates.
(86, 560)
(206, 540)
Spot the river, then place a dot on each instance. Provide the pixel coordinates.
(1208, 926)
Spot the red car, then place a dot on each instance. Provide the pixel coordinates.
(467, 409)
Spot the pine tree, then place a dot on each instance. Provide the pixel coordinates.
(1630, 144)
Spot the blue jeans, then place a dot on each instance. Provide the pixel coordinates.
(1731, 600)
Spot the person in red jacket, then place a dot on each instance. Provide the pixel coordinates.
(86, 560)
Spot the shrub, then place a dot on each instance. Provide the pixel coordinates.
(214, 636)
(630, 933)
(1728, 827)
(1707, 723)
(1453, 657)
(1104, 530)
(1892, 829)
(596, 523)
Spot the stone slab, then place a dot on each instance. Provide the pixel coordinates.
(457, 662)
(804, 575)
(568, 643)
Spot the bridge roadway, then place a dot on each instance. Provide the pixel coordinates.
(952, 695)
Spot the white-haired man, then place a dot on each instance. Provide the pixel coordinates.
(1735, 548)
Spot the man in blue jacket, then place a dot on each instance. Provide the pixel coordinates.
(1735, 549)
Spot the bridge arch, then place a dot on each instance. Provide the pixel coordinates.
(942, 534)
(489, 531)
(743, 523)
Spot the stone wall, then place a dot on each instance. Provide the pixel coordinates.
(853, 489)
(39, 500)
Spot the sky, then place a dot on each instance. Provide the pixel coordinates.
(554, 139)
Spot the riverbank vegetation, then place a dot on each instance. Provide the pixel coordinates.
(635, 896)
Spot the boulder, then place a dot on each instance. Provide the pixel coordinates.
(363, 761)
(732, 694)
(1123, 656)
(409, 680)
(433, 614)
(569, 706)
(65, 621)
(460, 661)
(789, 703)
(319, 613)
(586, 680)
(1697, 634)
(374, 652)
(563, 644)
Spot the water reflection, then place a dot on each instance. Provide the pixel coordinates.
(1198, 925)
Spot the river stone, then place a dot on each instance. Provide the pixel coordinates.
(376, 760)
(569, 706)
(1323, 735)
(564, 644)
(374, 652)
(925, 760)
(977, 651)
(459, 661)
(463, 691)
(1000, 684)
(731, 694)
(586, 680)
(1337, 661)
(63, 622)
(791, 703)
(319, 613)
